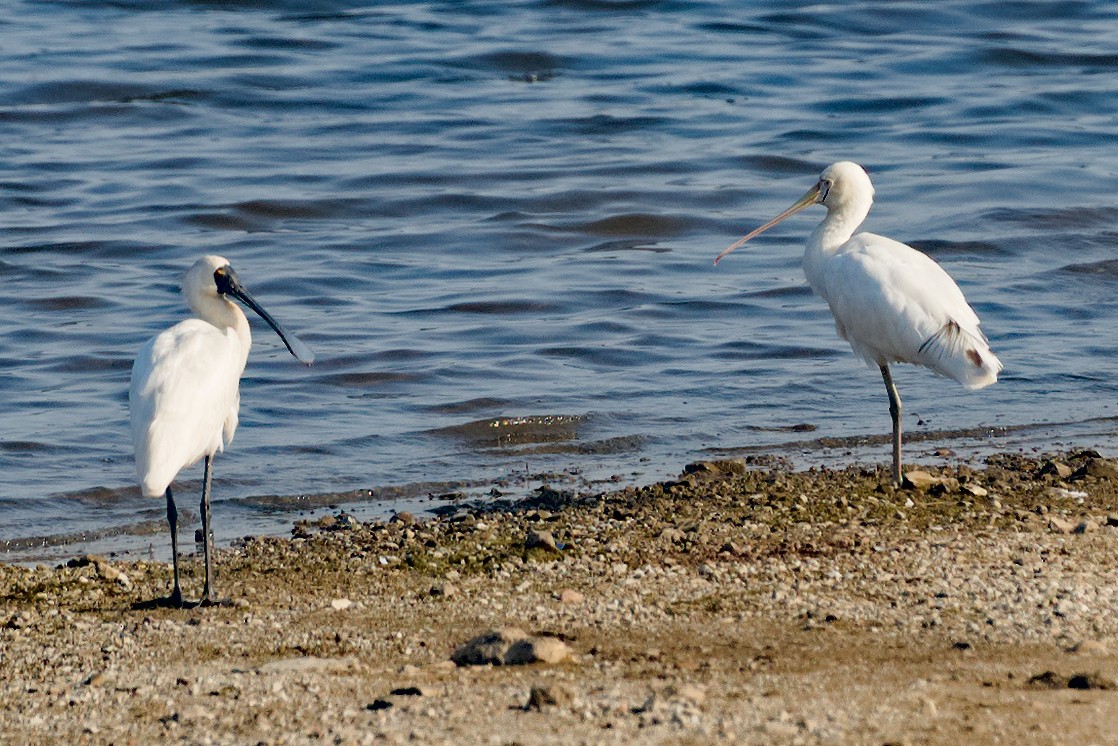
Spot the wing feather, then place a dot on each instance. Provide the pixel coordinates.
(182, 399)
(893, 303)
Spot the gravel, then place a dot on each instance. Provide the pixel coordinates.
(732, 605)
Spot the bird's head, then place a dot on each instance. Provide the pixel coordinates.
(842, 183)
(212, 280)
(842, 186)
(200, 282)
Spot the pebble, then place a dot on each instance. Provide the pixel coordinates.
(445, 590)
(510, 646)
(1060, 526)
(1101, 468)
(541, 540)
(1060, 469)
(19, 620)
(341, 604)
(555, 695)
(1089, 647)
(543, 649)
(919, 479)
(689, 692)
(571, 597)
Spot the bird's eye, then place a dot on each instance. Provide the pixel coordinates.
(824, 188)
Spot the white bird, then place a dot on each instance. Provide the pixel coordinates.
(892, 303)
(185, 392)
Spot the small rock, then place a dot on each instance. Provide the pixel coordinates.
(541, 540)
(1085, 526)
(1060, 526)
(554, 695)
(378, 704)
(488, 648)
(1112, 520)
(403, 517)
(1088, 647)
(19, 620)
(732, 548)
(781, 730)
(1061, 470)
(510, 647)
(537, 650)
(97, 679)
(86, 560)
(1101, 468)
(1065, 494)
(341, 604)
(672, 534)
(919, 479)
(1090, 681)
(1053, 680)
(446, 590)
(976, 490)
(107, 571)
(1048, 680)
(571, 596)
(688, 692)
(410, 691)
(721, 468)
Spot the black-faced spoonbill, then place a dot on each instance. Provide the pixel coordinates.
(185, 393)
(891, 302)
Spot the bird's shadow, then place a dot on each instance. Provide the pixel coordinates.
(169, 602)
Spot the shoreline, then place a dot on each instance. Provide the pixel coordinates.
(725, 606)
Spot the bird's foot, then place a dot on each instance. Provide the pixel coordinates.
(173, 601)
(209, 598)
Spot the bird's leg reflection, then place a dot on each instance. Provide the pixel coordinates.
(895, 413)
(175, 599)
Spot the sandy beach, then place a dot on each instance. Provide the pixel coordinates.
(737, 604)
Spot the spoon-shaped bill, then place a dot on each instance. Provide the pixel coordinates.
(807, 200)
(228, 284)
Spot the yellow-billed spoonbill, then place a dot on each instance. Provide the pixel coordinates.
(892, 303)
(185, 392)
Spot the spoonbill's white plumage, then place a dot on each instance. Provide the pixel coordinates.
(892, 303)
(185, 392)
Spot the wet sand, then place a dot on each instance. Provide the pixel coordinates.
(734, 605)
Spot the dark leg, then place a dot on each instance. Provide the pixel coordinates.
(208, 596)
(173, 521)
(895, 412)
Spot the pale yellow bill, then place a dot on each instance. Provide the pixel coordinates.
(805, 201)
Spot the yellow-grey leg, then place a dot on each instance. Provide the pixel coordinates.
(895, 413)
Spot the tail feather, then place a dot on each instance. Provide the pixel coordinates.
(961, 354)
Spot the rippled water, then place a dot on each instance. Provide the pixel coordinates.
(494, 222)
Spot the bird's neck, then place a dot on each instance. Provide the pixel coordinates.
(225, 314)
(839, 225)
(828, 238)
